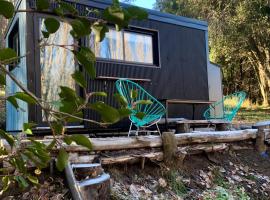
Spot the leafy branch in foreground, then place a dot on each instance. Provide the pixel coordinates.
(27, 161)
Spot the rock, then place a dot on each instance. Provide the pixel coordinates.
(162, 182)
(237, 178)
(134, 191)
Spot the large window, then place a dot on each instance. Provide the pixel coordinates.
(128, 46)
(56, 64)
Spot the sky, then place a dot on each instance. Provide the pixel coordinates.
(145, 3)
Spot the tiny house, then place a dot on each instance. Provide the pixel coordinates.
(166, 54)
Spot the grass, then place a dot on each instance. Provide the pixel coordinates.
(249, 112)
(175, 182)
(247, 116)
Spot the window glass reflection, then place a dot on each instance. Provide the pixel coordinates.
(56, 63)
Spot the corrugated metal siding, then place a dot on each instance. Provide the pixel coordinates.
(182, 73)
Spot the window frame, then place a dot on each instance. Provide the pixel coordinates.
(10, 40)
(155, 48)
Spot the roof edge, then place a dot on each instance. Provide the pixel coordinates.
(153, 14)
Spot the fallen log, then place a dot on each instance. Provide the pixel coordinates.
(122, 143)
(157, 154)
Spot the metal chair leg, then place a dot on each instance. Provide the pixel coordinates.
(158, 129)
(130, 127)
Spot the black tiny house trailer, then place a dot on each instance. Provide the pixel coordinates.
(166, 54)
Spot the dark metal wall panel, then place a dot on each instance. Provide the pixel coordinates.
(182, 73)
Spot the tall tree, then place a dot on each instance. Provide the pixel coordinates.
(239, 40)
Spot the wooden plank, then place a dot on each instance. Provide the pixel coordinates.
(187, 101)
(117, 78)
(213, 121)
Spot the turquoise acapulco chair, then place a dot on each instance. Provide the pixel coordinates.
(229, 111)
(153, 111)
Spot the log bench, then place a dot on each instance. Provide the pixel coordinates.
(185, 125)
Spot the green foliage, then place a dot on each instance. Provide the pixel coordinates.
(108, 113)
(87, 59)
(100, 30)
(52, 24)
(6, 9)
(27, 128)
(9, 138)
(7, 54)
(2, 79)
(82, 140)
(62, 160)
(121, 100)
(102, 94)
(79, 78)
(238, 39)
(66, 8)
(176, 184)
(42, 4)
(140, 115)
(70, 106)
(25, 97)
(13, 101)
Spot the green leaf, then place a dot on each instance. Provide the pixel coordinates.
(58, 128)
(13, 101)
(108, 113)
(68, 8)
(27, 128)
(137, 13)
(33, 179)
(116, 15)
(67, 93)
(21, 181)
(80, 27)
(143, 102)
(121, 100)
(133, 94)
(52, 24)
(2, 79)
(124, 112)
(7, 54)
(82, 140)
(100, 31)
(9, 138)
(87, 59)
(67, 140)
(102, 94)
(62, 160)
(6, 9)
(25, 97)
(5, 184)
(79, 78)
(140, 115)
(51, 145)
(45, 34)
(43, 4)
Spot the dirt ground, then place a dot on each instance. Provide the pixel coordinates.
(238, 175)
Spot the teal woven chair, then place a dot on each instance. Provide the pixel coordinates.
(230, 105)
(153, 112)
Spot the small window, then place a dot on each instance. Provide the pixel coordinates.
(127, 46)
(14, 43)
